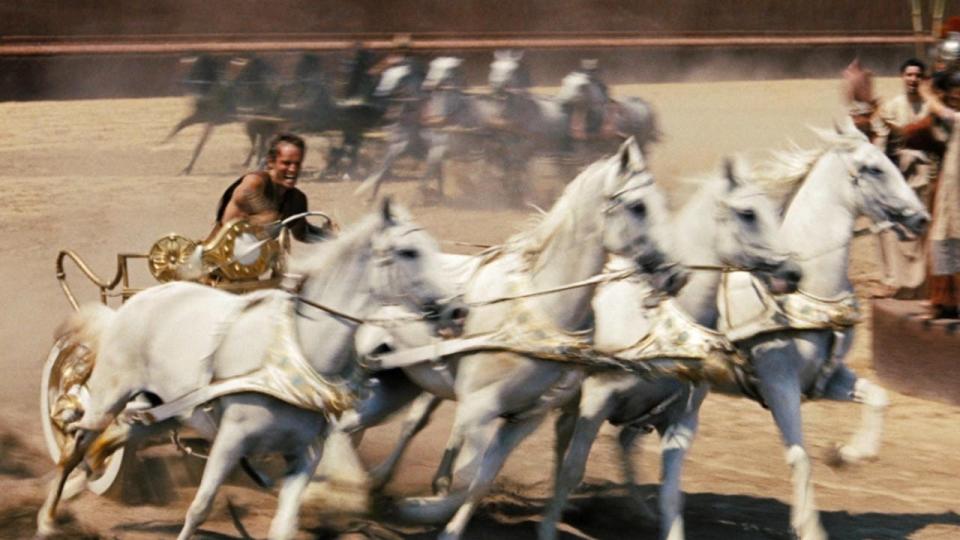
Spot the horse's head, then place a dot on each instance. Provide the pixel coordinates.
(407, 271)
(508, 72)
(252, 82)
(308, 70)
(635, 218)
(577, 88)
(747, 234)
(444, 80)
(444, 72)
(873, 185)
(400, 81)
(200, 73)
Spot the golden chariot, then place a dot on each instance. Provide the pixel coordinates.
(239, 258)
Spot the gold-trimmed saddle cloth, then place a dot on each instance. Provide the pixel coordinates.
(757, 311)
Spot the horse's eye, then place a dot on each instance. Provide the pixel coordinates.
(409, 254)
(747, 215)
(871, 170)
(638, 209)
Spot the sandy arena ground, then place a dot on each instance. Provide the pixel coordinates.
(88, 175)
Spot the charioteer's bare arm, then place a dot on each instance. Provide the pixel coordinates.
(251, 202)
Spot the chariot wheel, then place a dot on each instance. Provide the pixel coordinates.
(51, 391)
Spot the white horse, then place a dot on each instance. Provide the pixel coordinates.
(830, 187)
(728, 224)
(613, 206)
(175, 339)
(504, 394)
(633, 116)
(400, 87)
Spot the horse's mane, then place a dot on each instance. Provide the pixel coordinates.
(543, 227)
(784, 171)
(323, 258)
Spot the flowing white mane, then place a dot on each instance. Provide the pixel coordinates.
(322, 259)
(562, 216)
(783, 172)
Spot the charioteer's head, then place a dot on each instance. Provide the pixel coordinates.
(285, 158)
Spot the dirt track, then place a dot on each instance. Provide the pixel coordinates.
(88, 176)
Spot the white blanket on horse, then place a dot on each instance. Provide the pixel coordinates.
(284, 374)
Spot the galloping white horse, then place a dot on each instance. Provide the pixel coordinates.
(611, 207)
(504, 394)
(725, 224)
(174, 339)
(830, 187)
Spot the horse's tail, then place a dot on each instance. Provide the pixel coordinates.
(87, 325)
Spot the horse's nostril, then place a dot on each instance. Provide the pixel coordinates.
(431, 311)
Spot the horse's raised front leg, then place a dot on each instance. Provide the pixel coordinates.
(195, 118)
(779, 384)
(443, 477)
(507, 436)
(301, 467)
(865, 444)
(207, 130)
(596, 405)
(676, 436)
(228, 447)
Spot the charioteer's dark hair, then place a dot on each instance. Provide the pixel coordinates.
(913, 62)
(288, 138)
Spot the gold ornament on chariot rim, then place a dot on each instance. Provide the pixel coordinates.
(221, 252)
(167, 255)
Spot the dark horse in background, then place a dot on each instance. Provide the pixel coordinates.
(248, 90)
(239, 90)
(309, 104)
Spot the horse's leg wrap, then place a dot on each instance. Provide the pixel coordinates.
(804, 517)
(865, 443)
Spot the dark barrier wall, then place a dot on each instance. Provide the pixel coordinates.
(185, 17)
(65, 77)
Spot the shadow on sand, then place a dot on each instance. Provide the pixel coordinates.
(606, 511)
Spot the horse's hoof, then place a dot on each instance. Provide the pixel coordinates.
(814, 531)
(833, 458)
(448, 535)
(441, 487)
(46, 525)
